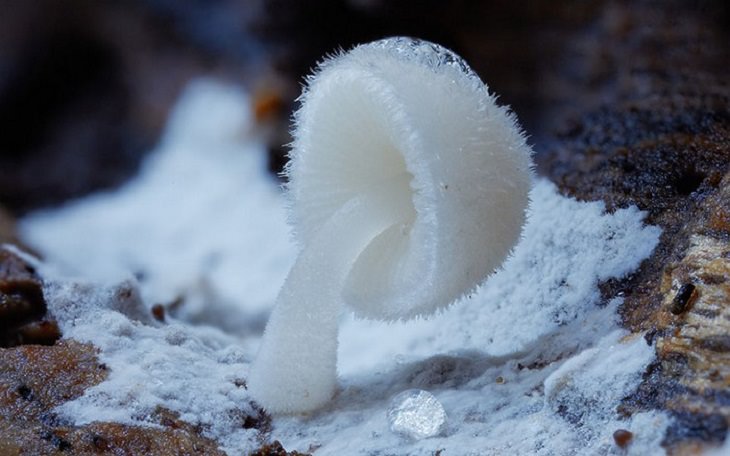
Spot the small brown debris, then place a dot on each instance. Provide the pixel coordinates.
(275, 449)
(718, 343)
(24, 392)
(21, 297)
(500, 380)
(267, 104)
(44, 332)
(100, 443)
(622, 437)
(158, 311)
(258, 420)
(683, 299)
(59, 442)
(22, 306)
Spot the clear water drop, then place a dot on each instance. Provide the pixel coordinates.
(417, 414)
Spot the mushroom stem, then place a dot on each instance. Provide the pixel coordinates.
(296, 367)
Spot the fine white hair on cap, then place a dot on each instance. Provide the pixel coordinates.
(408, 186)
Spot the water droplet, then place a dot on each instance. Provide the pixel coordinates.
(416, 414)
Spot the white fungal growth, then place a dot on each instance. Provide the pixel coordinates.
(408, 187)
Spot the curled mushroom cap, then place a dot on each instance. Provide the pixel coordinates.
(408, 187)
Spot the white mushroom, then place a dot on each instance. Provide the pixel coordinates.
(408, 187)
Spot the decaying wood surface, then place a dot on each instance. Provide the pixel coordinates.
(660, 139)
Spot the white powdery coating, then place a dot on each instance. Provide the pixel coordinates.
(438, 175)
(584, 389)
(495, 407)
(202, 221)
(198, 372)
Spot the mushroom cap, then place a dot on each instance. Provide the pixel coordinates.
(411, 116)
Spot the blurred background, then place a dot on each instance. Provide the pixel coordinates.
(86, 86)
